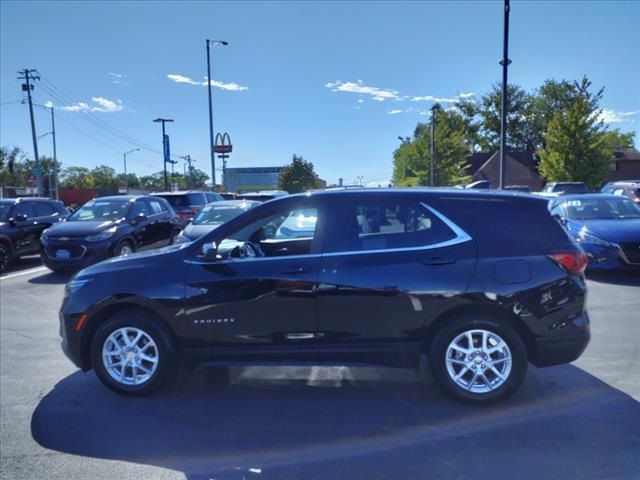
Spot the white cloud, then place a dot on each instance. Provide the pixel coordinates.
(231, 86)
(100, 104)
(430, 98)
(466, 94)
(611, 116)
(377, 94)
(360, 100)
(117, 75)
(395, 111)
(48, 104)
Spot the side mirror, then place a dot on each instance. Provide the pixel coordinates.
(141, 217)
(209, 252)
(561, 220)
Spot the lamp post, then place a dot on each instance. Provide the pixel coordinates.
(165, 149)
(503, 110)
(124, 156)
(211, 43)
(435, 107)
(53, 187)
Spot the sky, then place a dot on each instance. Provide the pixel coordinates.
(335, 82)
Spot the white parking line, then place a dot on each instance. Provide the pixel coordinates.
(26, 272)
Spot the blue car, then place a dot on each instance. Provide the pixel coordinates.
(607, 227)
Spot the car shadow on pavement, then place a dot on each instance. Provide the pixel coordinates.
(344, 422)
(51, 278)
(616, 277)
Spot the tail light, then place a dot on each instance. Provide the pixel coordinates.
(573, 262)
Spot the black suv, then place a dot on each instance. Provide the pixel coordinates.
(109, 227)
(22, 221)
(479, 282)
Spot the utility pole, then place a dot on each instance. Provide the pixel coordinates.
(28, 75)
(433, 144)
(124, 157)
(187, 159)
(503, 121)
(55, 155)
(165, 149)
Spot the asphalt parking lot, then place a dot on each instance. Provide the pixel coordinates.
(578, 421)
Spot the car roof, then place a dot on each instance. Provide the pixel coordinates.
(31, 199)
(120, 197)
(182, 192)
(589, 196)
(421, 192)
(231, 203)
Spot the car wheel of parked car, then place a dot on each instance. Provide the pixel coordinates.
(132, 354)
(5, 257)
(478, 359)
(125, 247)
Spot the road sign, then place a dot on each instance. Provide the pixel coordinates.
(223, 143)
(167, 150)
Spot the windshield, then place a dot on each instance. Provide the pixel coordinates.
(4, 209)
(212, 215)
(571, 188)
(602, 209)
(183, 201)
(97, 210)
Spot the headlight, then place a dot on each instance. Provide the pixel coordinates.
(76, 284)
(182, 238)
(101, 236)
(45, 234)
(588, 238)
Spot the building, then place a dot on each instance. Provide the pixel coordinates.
(520, 169)
(252, 179)
(626, 165)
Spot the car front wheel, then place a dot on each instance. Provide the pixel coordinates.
(5, 257)
(132, 353)
(478, 360)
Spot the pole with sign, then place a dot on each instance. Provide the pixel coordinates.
(223, 148)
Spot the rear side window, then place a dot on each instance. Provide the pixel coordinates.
(42, 209)
(381, 224)
(212, 197)
(177, 201)
(195, 199)
(156, 206)
(138, 207)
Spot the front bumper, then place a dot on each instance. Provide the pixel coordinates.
(81, 255)
(71, 340)
(607, 258)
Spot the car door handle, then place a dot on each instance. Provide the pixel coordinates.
(439, 261)
(296, 270)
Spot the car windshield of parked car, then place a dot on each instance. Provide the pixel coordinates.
(602, 209)
(213, 215)
(571, 188)
(97, 210)
(4, 209)
(184, 201)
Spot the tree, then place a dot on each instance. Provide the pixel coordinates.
(576, 143)
(131, 180)
(412, 159)
(105, 177)
(519, 111)
(299, 176)
(11, 167)
(153, 183)
(77, 177)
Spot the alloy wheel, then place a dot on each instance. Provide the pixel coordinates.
(478, 361)
(130, 356)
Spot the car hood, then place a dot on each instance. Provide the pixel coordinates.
(134, 261)
(193, 232)
(620, 230)
(80, 228)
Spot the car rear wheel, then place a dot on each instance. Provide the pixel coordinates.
(478, 360)
(123, 248)
(132, 353)
(5, 257)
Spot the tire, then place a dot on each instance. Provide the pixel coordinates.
(140, 376)
(125, 247)
(483, 374)
(5, 257)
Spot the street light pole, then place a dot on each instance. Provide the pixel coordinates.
(124, 156)
(209, 44)
(164, 150)
(503, 120)
(433, 144)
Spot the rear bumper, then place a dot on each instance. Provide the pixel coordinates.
(549, 351)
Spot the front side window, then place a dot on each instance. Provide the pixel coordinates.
(101, 210)
(156, 206)
(42, 209)
(24, 209)
(283, 233)
(363, 225)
